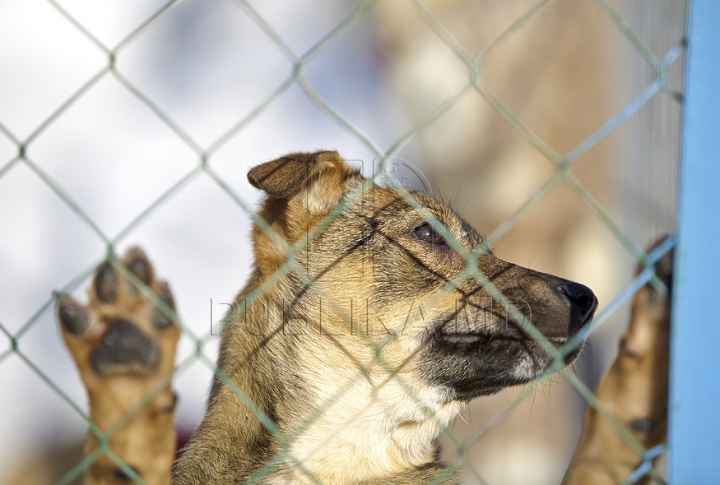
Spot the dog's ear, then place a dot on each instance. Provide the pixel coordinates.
(285, 176)
(302, 188)
(320, 175)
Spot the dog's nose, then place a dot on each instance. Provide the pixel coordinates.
(582, 301)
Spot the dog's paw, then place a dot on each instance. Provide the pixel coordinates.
(123, 343)
(121, 330)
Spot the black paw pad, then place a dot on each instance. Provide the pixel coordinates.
(106, 283)
(160, 320)
(73, 317)
(125, 348)
(140, 267)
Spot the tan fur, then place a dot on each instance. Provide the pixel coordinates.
(335, 369)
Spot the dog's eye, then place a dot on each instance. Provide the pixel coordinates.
(428, 234)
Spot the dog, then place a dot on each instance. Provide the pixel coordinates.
(363, 330)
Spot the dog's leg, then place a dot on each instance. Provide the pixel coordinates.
(635, 391)
(124, 347)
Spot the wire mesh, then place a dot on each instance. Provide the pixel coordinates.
(204, 153)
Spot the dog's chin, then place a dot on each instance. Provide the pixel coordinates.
(476, 364)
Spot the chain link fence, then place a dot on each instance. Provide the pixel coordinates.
(200, 152)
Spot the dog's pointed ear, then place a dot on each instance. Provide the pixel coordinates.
(291, 174)
(284, 177)
(301, 189)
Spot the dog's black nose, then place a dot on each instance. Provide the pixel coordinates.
(582, 301)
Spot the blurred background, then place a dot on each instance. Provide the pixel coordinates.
(136, 121)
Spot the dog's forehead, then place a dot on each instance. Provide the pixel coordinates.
(390, 201)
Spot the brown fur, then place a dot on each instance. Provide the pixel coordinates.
(359, 356)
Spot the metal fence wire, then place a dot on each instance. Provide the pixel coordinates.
(297, 63)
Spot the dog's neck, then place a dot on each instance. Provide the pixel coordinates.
(359, 421)
(372, 427)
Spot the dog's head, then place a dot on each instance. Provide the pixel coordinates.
(379, 270)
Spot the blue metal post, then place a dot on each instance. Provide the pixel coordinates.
(695, 349)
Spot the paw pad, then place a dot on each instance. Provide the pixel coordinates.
(120, 331)
(125, 348)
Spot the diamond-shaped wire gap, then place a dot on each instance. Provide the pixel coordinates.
(593, 169)
(45, 245)
(291, 123)
(599, 134)
(48, 58)
(249, 117)
(112, 155)
(301, 24)
(355, 75)
(205, 64)
(111, 21)
(162, 199)
(551, 154)
(34, 416)
(566, 100)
